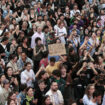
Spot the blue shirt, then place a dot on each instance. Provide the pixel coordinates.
(21, 96)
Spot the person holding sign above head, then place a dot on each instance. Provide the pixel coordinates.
(52, 66)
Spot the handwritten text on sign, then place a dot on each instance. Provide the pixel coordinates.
(57, 49)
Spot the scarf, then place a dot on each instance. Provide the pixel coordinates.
(29, 99)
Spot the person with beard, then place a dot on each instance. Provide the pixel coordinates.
(56, 76)
(55, 95)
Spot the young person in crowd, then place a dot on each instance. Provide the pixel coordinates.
(28, 29)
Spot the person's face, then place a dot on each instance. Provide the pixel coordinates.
(63, 70)
(73, 52)
(38, 5)
(102, 12)
(14, 21)
(70, 45)
(75, 7)
(40, 18)
(24, 25)
(93, 35)
(35, 6)
(25, 11)
(32, 11)
(3, 2)
(19, 4)
(89, 28)
(6, 42)
(67, 9)
(30, 92)
(100, 59)
(75, 27)
(3, 26)
(0, 13)
(6, 86)
(74, 104)
(62, 17)
(12, 102)
(54, 87)
(45, 17)
(3, 78)
(59, 10)
(85, 65)
(13, 97)
(15, 59)
(39, 42)
(39, 30)
(46, 30)
(13, 42)
(58, 21)
(75, 33)
(48, 23)
(91, 90)
(72, 1)
(48, 101)
(25, 40)
(49, 6)
(10, 71)
(28, 67)
(8, 7)
(34, 27)
(98, 32)
(62, 25)
(67, 16)
(17, 27)
(52, 63)
(23, 56)
(95, 24)
(98, 99)
(91, 10)
(19, 49)
(44, 76)
(58, 41)
(86, 31)
(44, 10)
(22, 35)
(42, 85)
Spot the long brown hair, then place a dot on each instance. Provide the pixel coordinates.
(87, 89)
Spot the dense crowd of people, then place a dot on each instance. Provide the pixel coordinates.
(29, 75)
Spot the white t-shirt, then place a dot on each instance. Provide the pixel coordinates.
(86, 100)
(91, 103)
(60, 32)
(1, 32)
(27, 74)
(36, 35)
(73, 12)
(103, 103)
(92, 41)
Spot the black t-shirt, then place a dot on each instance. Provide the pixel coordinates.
(39, 95)
(2, 50)
(88, 74)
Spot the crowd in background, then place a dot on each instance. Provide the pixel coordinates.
(29, 75)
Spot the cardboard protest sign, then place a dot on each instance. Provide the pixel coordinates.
(56, 49)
